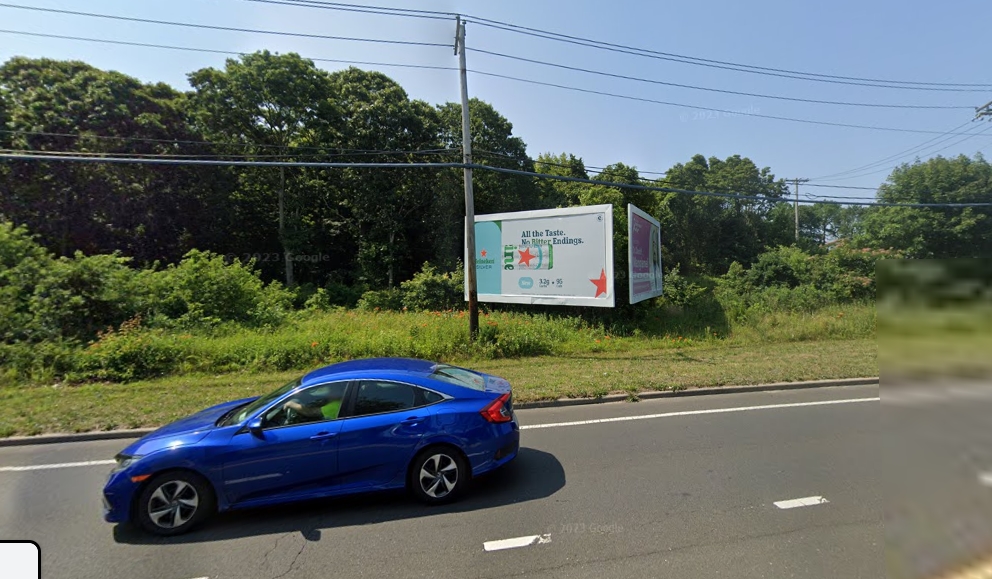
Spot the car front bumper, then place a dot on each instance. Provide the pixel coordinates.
(116, 498)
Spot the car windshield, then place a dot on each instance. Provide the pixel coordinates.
(459, 377)
(242, 413)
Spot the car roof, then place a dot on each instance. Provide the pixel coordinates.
(370, 367)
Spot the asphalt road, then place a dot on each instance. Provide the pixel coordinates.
(936, 476)
(689, 493)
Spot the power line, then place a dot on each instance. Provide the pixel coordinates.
(361, 7)
(847, 174)
(831, 196)
(341, 152)
(882, 161)
(494, 155)
(842, 187)
(480, 72)
(710, 89)
(102, 154)
(370, 10)
(737, 113)
(213, 51)
(738, 68)
(620, 47)
(474, 166)
(223, 28)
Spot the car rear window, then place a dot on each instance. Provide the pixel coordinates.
(459, 377)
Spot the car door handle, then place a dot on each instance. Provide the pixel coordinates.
(413, 420)
(323, 435)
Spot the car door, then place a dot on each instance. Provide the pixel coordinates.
(385, 423)
(284, 459)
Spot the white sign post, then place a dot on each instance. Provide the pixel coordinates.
(644, 255)
(560, 257)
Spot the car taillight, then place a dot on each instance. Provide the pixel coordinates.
(496, 411)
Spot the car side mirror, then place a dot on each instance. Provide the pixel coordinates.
(255, 427)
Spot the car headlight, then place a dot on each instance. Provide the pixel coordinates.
(124, 461)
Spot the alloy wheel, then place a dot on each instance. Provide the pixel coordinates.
(438, 476)
(173, 504)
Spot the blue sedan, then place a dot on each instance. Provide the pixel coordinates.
(357, 426)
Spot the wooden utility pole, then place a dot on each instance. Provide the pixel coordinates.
(470, 277)
(796, 182)
(287, 255)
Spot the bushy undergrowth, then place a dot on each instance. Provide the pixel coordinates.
(98, 319)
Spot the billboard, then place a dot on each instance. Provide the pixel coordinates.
(644, 255)
(561, 257)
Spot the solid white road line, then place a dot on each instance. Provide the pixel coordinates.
(803, 502)
(696, 412)
(51, 466)
(922, 396)
(517, 542)
(531, 426)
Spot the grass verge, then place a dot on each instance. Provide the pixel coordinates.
(918, 342)
(33, 410)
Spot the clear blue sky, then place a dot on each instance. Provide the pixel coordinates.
(888, 39)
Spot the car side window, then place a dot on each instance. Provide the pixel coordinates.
(315, 404)
(376, 397)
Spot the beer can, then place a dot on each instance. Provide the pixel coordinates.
(530, 256)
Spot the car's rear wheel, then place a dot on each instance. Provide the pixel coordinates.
(174, 502)
(438, 475)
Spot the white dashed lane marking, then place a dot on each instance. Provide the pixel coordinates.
(803, 502)
(53, 466)
(517, 542)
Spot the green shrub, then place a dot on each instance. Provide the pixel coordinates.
(382, 300)
(339, 294)
(129, 353)
(38, 362)
(23, 264)
(203, 290)
(78, 297)
(430, 290)
(679, 291)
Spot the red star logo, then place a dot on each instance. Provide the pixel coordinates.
(526, 256)
(600, 284)
(483, 253)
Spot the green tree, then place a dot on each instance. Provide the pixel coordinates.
(270, 104)
(388, 210)
(705, 234)
(493, 144)
(554, 193)
(147, 212)
(933, 232)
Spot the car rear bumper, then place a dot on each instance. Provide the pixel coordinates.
(500, 450)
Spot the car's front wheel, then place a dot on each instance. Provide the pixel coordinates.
(174, 502)
(438, 475)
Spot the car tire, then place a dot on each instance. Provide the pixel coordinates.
(174, 502)
(438, 475)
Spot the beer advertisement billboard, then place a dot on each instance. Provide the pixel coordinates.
(548, 257)
(644, 255)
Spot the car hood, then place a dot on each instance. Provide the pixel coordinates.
(189, 430)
